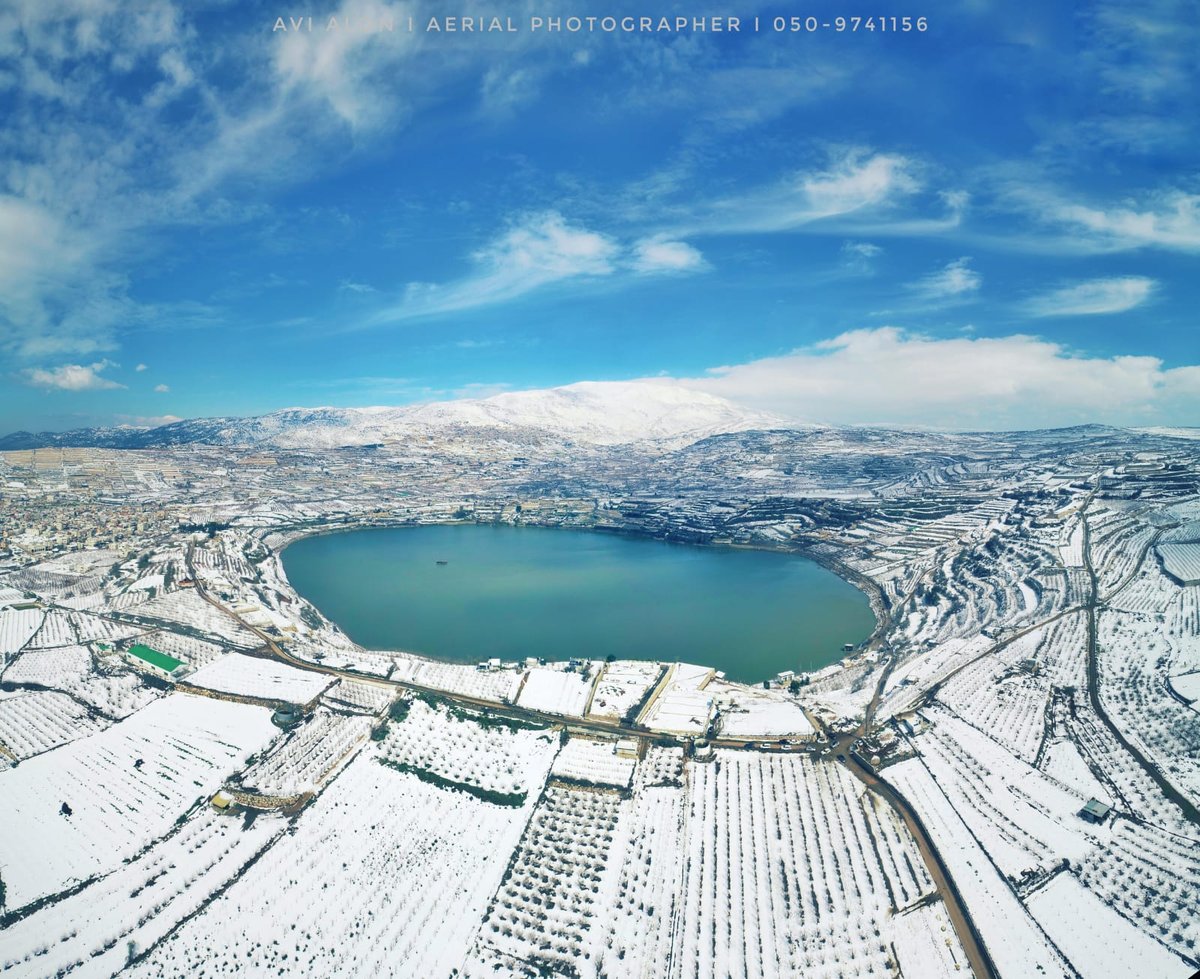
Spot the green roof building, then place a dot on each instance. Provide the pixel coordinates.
(160, 663)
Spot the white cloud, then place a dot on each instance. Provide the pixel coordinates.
(660, 254)
(861, 249)
(956, 280)
(890, 377)
(72, 377)
(140, 368)
(1094, 297)
(855, 182)
(1167, 219)
(540, 250)
(345, 68)
(161, 389)
(148, 421)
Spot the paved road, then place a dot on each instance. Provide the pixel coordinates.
(964, 927)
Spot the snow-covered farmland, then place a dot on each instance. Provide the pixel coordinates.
(484, 754)
(189, 609)
(307, 757)
(59, 667)
(556, 691)
(622, 686)
(1098, 942)
(745, 712)
(1181, 561)
(265, 679)
(390, 877)
(81, 809)
(90, 932)
(17, 627)
(1015, 942)
(594, 762)
(499, 686)
(789, 870)
(682, 705)
(31, 723)
(551, 904)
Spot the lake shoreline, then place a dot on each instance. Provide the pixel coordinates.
(864, 586)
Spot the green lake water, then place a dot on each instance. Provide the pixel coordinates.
(515, 592)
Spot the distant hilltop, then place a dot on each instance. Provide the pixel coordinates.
(591, 412)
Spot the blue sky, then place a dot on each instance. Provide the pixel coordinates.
(992, 223)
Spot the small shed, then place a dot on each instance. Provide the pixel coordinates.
(1095, 811)
(628, 748)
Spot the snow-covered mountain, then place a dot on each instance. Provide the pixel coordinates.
(599, 413)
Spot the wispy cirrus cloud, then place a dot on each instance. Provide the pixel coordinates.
(535, 252)
(72, 377)
(1093, 298)
(855, 181)
(955, 281)
(660, 254)
(1166, 219)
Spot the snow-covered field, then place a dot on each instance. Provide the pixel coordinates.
(1015, 942)
(31, 723)
(91, 932)
(621, 687)
(124, 787)
(17, 627)
(251, 676)
(489, 756)
(556, 691)
(385, 875)
(749, 713)
(595, 762)
(308, 756)
(1098, 942)
(682, 706)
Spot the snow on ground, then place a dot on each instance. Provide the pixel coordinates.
(194, 652)
(264, 678)
(925, 943)
(186, 747)
(621, 687)
(385, 875)
(499, 686)
(308, 756)
(31, 723)
(1013, 939)
(17, 627)
(1188, 687)
(359, 695)
(188, 608)
(453, 746)
(1181, 560)
(781, 871)
(1063, 761)
(89, 933)
(1026, 822)
(556, 692)
(682, 705)
(59, 667)
(56, 630)
(748, 712)
(596, 762)
(911, 678)
(550, 909)
(1098, 941)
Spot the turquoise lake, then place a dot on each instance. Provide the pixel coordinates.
(515, 592)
